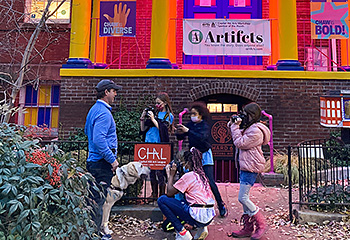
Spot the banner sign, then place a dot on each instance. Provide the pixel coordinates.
(117, 18)
(155, 156)
(250, 37)
(329, 19)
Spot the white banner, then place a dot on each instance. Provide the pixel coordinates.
(249, 37)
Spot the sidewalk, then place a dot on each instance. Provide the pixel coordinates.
(273, 202)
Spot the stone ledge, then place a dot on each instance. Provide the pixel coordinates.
(139, 211)
(271, 179)
(307, 216)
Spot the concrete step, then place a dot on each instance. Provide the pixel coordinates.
(139, 211)
(308, 216)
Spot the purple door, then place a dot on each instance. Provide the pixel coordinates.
(220, 9)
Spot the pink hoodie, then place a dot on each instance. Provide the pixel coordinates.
(251, 156)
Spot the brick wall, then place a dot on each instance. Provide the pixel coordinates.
(293, 103)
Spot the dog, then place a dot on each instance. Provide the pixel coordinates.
(125, 176)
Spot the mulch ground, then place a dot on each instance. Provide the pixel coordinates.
(273, 202)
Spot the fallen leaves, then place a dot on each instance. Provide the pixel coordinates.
(126, 226)
(313, 231)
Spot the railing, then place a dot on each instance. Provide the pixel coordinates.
(134, 52)
(136, 193)
(324, 174)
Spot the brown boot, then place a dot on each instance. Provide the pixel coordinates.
(260, 225)
(247, 230)
(161, 189)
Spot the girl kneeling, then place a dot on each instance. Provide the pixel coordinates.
(198, 207)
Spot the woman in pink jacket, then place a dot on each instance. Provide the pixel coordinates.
(251, 161)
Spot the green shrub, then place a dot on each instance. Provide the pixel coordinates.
(330, 195)
(32, 208)
(336, 152)
(280, 163)
(128, 124)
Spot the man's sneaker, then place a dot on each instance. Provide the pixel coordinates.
(201, 233)
(223, 212)
(186, 236)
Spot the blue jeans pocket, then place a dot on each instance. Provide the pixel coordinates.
(247, 177)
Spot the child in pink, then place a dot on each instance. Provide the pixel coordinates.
(198, 207)
(251, 162)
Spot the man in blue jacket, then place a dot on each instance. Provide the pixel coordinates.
(100, 129)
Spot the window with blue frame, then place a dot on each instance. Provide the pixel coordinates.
(42, 106)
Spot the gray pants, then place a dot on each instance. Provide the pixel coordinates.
(243, 197)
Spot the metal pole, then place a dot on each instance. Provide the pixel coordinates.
(271, 140)
(180, 122)
(290, 182)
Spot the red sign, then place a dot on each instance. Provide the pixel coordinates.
(155, 156)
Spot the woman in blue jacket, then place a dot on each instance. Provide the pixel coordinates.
(156, 126)
(197, 131)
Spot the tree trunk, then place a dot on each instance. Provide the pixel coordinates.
(26, 57)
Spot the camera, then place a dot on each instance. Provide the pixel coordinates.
(178, 165)
(149, 108)
(179, 168)
(240, 115)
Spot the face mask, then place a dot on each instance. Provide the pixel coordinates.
(159, 107)
(195, 119)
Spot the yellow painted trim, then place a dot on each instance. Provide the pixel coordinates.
(160, 29)
(113, 73)
(54, 117)
(31, 116)
(44, 95)
(80, 29)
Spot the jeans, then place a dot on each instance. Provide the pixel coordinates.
(173, 208)
(209, 172)
(247, 180)
(102, 171)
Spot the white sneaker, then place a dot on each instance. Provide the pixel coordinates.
(187, 236)
(201, 233)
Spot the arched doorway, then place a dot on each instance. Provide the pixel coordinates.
(222, 106)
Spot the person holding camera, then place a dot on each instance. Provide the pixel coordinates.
(251, 161)
(198, 132)
(197, 209)
(155, 128)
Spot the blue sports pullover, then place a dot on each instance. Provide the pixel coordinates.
(101, 132)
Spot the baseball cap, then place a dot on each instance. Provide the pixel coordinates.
(105, 84)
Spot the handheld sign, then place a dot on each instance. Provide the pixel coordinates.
(155, 156)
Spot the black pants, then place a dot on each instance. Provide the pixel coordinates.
(102, 172)
(209, 172)
(157, 176)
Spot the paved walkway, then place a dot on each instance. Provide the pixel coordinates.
(273, 202)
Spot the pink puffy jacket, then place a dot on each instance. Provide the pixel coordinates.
(251, 156)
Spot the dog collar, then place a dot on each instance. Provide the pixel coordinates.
(116, 188)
